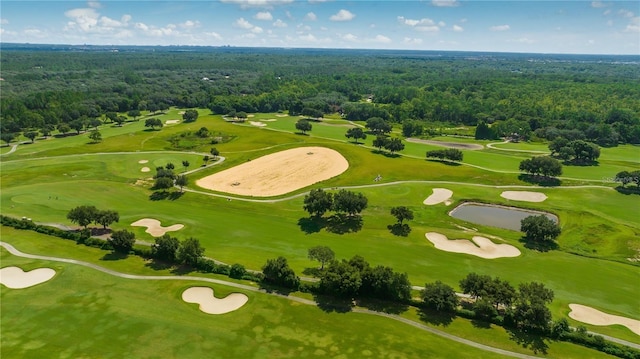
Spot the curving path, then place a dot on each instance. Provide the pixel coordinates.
(420, 326)
(12, 150)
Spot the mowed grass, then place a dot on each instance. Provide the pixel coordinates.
(80, 309)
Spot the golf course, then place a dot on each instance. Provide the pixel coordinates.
(244, 204)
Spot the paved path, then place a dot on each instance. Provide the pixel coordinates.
(420, 326)
(12, 150)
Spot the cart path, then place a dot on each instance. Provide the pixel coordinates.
(420, 326)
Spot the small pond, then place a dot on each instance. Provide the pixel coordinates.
(494, 215)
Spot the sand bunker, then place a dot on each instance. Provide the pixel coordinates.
(143, 161)
(145, 169)
(257, 123)
(212, 305)
(589, 315)
(483, 247)
(154, 227)
(524, 196)
(171, 122)
(16, 278)
(458, 145)
(249, 116)
(439, 195)
(181, 113)
(278, 173)
(281, 115)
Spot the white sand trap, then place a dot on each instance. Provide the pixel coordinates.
(16, 278)
(181, 113)
(171, 122)
(483, 247)
(154, 227)
(278, 173)
(249, 116)
(524, 196)
(440, 195)
(257, 123)
(212, 305)
(270, 120)
(143, 161)
(145, 169)
(281, 115)
(589, 315)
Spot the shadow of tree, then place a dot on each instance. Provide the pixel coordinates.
(330, 304)
(312, 224)
(270, 288)
(529, 341)
(435, 317)
(182, 269)
(313, 272)
(540, 246)
(444, 162)
(383, 306)
(341, 224)
(162, 195)
(581, 163)
(156, 264)
(628, 190)
(114, 256)
(398, 229)
(540, 180)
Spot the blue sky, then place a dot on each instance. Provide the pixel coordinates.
(583, 27)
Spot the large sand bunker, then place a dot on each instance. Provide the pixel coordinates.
(524, 196)
(439, 195)
(257, 123)
(483, 247)
(16, 278)
(458, 145)
(278, 173)
(212, 305)
(154, 227)
(589, 315)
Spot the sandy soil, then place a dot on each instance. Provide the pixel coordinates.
(524, 196)
(171, 122)
(145, 169)
(439, 195)
(460, 146)
(483, 247)
(249, 116)
(154, 227)
(270, 120)
(589, 315)
(257, 123)
(181, 113)
(143, 161)
(212, 305)
(278, 173)
(281, 115)
(16, 278)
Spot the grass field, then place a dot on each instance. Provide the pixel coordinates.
(592, 267)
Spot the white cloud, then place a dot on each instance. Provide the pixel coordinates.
(634, 26)
(500, 28)
(257, 30)
(425, 24)
(457, 28)
(311, 16)
(4, 22)
(342, 15)
(257, 3)
(381, 39)
(442, 24)
(606, 12)
(214, 35)
(445, 3)
(308, 38)
(317, 1)
(279, 23)
(411, 41)
(263, 15)
(243, 24)
(598, 4)
(463, 20)
(31, 32)
(94, 4)
(625, 13)
(189, 24)
(350, 37)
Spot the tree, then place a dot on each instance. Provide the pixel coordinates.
(277, 271)
(189, 252)
(394, 145)
(451, 154)
(185, 164)
(64, 128)
(122, 241)
(82, 215)
(303, 126)
(190, 115)
(47, 129)
(215, 153)
(475, 284)
(120, 120)
(635, 178)
(341, 279)
(181, 181)
(544, 165)
(484, 132)
(349, 202)
(165, 248)
(241, 115)
(318, 202)
(383, 283)
(356, 133)
(322, 254)
(170, 166)
(378, 126)
(94, 122)
(134, 114)
(163, 183)
(153, 122)
(31, 135)
(95, 136)
(439, 296)
(401, 213)
(77, 125)
(539, 228)
(237, 271)
(530, 312)
(380, 141)
(7, 137)
(106, 218)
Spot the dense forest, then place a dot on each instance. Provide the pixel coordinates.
(536, 96)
